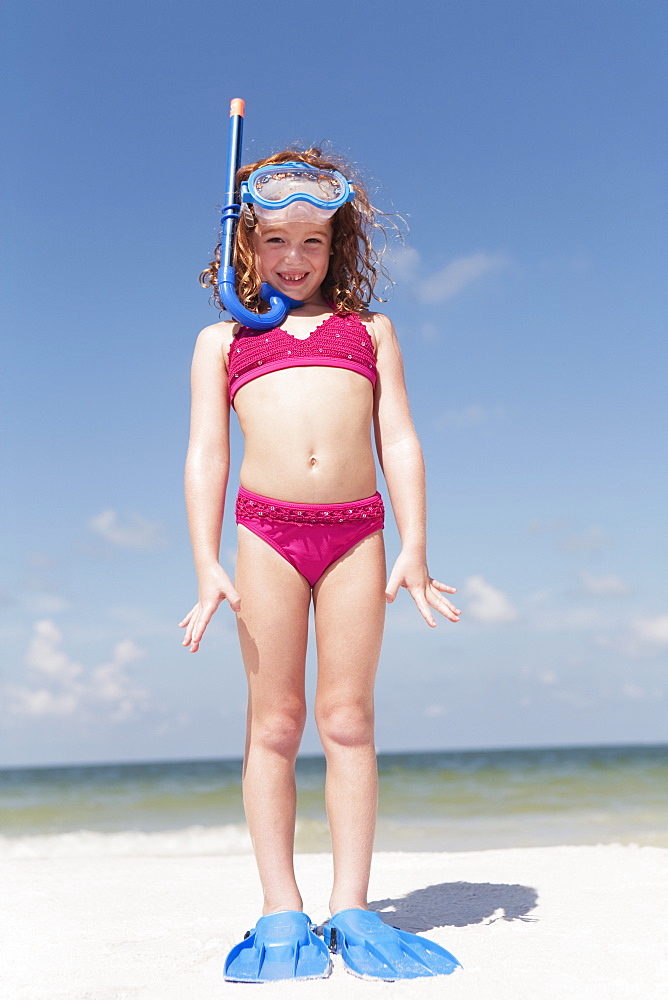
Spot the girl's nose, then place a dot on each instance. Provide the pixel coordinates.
(293, 253)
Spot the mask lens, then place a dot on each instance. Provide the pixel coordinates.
(277, 185)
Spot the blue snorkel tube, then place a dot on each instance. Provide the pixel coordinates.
(280, 304)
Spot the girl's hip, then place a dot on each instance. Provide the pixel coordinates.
(253, 506)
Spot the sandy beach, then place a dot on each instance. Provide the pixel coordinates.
(525, 923)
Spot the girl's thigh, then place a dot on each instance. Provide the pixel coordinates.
(272, 623)
(349, 601)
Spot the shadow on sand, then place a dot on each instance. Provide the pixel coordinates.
(457, 904)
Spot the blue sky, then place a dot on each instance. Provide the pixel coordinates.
(523, 141)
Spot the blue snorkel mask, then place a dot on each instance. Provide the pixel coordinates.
(295, 192)
(273, 194)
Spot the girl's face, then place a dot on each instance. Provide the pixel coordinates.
(293, 257)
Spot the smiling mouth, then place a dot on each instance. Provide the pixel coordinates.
(293, 277)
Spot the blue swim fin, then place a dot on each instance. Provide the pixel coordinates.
(373, 950)
(280, 946)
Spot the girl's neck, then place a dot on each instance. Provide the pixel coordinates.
(314, 306)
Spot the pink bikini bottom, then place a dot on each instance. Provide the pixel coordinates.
(310, 536)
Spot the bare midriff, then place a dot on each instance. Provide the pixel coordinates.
(294, 422)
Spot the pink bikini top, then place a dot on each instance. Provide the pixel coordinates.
(341, 341)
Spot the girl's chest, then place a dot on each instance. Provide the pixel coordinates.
(340, 341)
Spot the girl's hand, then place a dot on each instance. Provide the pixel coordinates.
(427, 593)
(214, 588)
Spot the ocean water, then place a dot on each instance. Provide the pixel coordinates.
(445, 801)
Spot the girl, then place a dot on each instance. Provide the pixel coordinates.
(309, 529)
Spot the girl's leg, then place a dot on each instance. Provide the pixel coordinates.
(273, 627)
(350, 603)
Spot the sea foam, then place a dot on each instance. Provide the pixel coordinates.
(192, 841)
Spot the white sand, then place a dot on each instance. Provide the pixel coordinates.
(536, 924)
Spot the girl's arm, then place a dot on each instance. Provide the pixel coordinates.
(400, 457)
(207, 469)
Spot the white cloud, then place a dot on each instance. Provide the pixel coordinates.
(603, 586)
(458, 275)
(487, 603)
(135, 532)
(644, 638)
(40, 702)
(110, 682)
(652, 630)
(405, 266)
(45, 656)
(63, 687)
(434, 711)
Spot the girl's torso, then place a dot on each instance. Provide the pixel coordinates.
(307, 426)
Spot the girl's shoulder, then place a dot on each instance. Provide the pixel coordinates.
(379, 326)
(217, 338)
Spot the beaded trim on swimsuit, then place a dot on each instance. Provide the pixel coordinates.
(340, 341)
(354, 510)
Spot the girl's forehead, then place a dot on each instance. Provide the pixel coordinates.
(294, 230)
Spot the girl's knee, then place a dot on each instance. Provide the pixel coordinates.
(280, 729)
(347, 725)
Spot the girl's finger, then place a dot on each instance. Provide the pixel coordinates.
(445, 606)
(447, 613)
(443, 586)
(184, 621)
(423, 608)
(192, 618)
(440, 603)
(203, 620)
(392, 588)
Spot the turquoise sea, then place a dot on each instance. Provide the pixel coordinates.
(437, 801)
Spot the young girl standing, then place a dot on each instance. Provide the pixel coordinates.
(307, 396)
